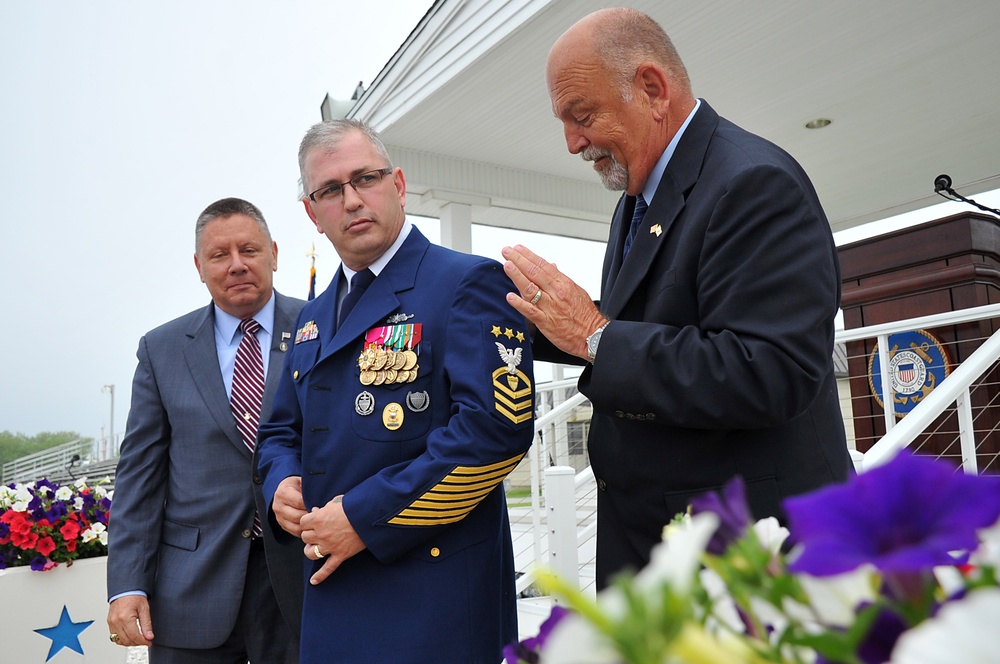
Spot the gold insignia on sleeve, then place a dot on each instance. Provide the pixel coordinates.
(456, 495)
(495, 331)
(512, 392)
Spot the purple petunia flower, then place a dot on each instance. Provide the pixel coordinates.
(56, 511)
(732, 510)
(528, 650)
(38, 563)
(906, 515)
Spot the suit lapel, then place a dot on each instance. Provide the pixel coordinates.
(203, 362)
(284, 324)
(680, 176)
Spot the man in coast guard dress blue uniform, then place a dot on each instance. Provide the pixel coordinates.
(393, 429)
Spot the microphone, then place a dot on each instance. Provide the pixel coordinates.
(942, 187)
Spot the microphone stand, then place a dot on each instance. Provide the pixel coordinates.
(942, 183)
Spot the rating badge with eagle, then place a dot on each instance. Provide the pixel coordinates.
(512, 391)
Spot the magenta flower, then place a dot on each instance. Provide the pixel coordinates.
(905, 516)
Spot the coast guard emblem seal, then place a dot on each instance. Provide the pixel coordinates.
(917, 363)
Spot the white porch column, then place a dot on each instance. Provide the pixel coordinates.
(456, 226)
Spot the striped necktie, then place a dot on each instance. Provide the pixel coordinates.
(248, 390)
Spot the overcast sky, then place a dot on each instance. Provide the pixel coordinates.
(121, 121)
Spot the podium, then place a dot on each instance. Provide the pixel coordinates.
(944, 265)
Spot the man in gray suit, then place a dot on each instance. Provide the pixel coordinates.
(189, 559)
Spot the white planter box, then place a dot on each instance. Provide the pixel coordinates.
(36, 601)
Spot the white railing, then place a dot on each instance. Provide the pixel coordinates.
(47, 462)
(563, 531)
(955, 389)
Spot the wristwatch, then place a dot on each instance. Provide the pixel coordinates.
(593, 340)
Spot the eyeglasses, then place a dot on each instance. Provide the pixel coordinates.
(366, 180)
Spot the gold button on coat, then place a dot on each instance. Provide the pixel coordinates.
(435, 552)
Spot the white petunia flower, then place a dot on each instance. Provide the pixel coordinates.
(576, 641)
(770, 534)
(836, 598)
(962, 631)
(675, 561)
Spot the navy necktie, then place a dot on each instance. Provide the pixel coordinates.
(633, 229)
(359, 283)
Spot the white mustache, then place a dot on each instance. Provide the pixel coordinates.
(593, 153)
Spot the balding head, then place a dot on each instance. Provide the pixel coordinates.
(621, 91)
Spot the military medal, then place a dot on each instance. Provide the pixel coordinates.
(392, 416)
(389, 356)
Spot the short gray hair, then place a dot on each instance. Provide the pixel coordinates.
(626, 37)
(227, 207)
(327, 136)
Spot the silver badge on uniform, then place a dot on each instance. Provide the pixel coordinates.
(418, 401)
(364, 403)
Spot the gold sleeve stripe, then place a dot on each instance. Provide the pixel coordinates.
(471, 479)
(482, 487)
(455, 495)
(435, 514)
(436, 504)
(474, 470)
(403, 521)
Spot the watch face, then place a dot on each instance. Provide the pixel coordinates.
(592, 342)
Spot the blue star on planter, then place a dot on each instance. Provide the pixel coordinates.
(66, 634)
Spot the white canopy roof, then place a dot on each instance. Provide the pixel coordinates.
(910, 87)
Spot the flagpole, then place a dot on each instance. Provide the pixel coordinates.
(312, 271)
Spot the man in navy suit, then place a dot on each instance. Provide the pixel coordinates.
(710, 353)
(394, 427)
(188, 571)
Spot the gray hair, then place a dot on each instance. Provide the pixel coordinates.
(227, 207)
(327, 136)
(627, 37)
